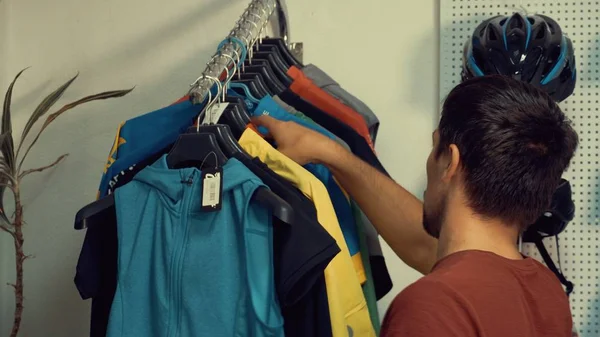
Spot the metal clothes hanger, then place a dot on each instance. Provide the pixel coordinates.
(205, 144)
(256, 84)
(235, 114)
(270, 54)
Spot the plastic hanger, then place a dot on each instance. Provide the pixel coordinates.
(232, 118)
(198, 147)
(258, 79)
(271, 81)
(225, 140)
(283, 50)
(279, 67)
(265, 66)
(96, 213)
(244, 90)
(273, 50)
(236, 115)
(241, 106)
(259, 83)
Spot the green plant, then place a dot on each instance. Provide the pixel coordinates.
(12, 172)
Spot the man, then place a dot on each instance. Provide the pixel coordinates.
(498, 153)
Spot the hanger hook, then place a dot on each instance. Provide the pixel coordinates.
(210, 104)
(251, 12)
(252, 42)
(246, 38)
(236, 65)
(255, 26)
(228, 79)
(267, 13)
(235, 30)
(210, 64)
(204, 110)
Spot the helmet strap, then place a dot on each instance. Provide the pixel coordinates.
(539, 243)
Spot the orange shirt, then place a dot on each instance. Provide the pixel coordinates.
(184, 98)
(318, 97)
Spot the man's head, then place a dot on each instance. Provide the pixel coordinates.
(503, 144)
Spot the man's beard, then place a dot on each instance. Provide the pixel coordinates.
(432, 223)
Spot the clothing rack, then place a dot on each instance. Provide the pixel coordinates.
(247, 30)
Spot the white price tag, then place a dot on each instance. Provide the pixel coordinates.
(212, 187)
(214, 114)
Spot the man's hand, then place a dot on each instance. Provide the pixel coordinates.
(395, 212)
(298, 143)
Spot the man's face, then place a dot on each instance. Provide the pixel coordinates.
(435, 196)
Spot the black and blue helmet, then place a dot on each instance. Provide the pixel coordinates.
(532, 49)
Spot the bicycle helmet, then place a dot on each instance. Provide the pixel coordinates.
(532, 49)
(552, 223)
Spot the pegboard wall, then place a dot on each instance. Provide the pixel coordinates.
(580, 243)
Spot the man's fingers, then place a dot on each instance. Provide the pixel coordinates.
(266, 121)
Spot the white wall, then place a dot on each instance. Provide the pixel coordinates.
(385, 54)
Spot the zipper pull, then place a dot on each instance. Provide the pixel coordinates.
(188, 182)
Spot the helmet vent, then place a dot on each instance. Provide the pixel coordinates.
(541, 32)
(492, 34)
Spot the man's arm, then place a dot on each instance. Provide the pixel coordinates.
(395, 212)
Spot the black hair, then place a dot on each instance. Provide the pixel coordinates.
(514, 143)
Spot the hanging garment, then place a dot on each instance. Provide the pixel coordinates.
(325, 82)
(183, 271)
(347, 306)
(368, 287)
(267, 106)
(96, 272)
(298, 266)
(306, 89)
(363, 225)
(381, 276)
(307, 119)
(139, 136)
(302, 251)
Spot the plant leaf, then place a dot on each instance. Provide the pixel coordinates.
(52, 117)
(6, 176)
(44, 106)
(43, 168)
(8, 148)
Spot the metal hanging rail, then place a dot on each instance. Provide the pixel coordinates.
(246, 31)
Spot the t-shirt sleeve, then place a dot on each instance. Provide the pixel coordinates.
(428, 308)
(305, 250)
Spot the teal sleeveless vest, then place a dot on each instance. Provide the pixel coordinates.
(186, 272)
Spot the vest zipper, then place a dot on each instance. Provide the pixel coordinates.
(178, 257)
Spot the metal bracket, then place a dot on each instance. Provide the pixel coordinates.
(282, 27)
(297, 49)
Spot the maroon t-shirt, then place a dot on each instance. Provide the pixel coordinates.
(480, 294)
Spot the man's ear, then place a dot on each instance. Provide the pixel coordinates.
(453, 163)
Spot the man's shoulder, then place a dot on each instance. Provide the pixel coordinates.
(465, 272)
(423, 302)
(427, 287)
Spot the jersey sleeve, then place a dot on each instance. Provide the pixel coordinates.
(428, 308)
